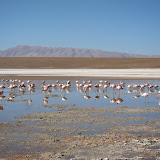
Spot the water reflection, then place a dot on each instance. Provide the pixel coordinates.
(1, 108)
(101, 93)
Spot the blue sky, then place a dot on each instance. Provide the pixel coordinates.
(130, 26)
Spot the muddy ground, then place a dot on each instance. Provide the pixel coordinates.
(82, 133)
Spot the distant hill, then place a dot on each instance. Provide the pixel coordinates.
(38, 51)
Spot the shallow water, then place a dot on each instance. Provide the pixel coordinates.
(74, 97)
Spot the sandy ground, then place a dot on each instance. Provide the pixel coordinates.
(105, 73)
(78, 63)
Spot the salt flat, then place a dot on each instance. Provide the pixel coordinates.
(112, 73)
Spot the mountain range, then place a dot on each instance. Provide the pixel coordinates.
(38, 51)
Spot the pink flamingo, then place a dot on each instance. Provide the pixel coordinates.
(119, 87)
(45, 101)
(113, 86)
(85, 87)
(145, 95)
(1, 92)
(105, 87)
(119, 100)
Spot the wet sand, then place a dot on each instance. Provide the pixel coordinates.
(57, 135)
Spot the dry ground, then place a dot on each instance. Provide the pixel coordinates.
(70, 63)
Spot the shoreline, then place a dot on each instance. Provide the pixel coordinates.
(54, 135)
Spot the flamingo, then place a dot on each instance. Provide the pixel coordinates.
(89, 81)
(122, 83)
(130, 86)
(54, 85)
(77, 81)
(29, 101)
(101, 81)
(10, 98)
(113, 100)
(113, 86)
(64, 86)
(80, 85)
(158, 95)
(1, 92)
(45, 98)
(96, 97)
(19, 80)
(150, 86)
(1, 108)
(119, 87)
(119, 100)
(105, 87)
(96, 85)
(106, 97)
(136, 96)
(145, 95)
(2, 86)
(2, 97)
(85, 87)
(86, 96)
(64, 98)
(69, 82)
(155, 86)
(28, 81)
(45, 88)
(136, 85)
(45, 101)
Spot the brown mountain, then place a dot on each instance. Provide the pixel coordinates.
(38, 51)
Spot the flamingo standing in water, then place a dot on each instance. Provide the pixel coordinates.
(105, 87)
(29, 101)
(113, 86)
(119, 87)
(85, 87)
(145, 95)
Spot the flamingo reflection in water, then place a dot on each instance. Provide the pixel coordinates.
(119, 100)
(136, 96)
(113, 100)
(105, 96)
(1, 97)
(64, 98)
(96, 97)
(87, 96)
(45, 101)
(1, 92)
(29, 101)
(1, 108)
